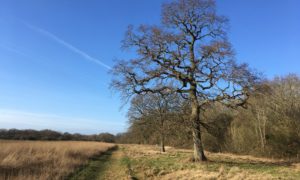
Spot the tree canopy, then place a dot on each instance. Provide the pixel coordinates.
(189, 54)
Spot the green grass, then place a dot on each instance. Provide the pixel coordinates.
(171, 162)
(134, 161)
(95, 167)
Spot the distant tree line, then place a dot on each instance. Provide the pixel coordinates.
(30, 134)
(269, 126)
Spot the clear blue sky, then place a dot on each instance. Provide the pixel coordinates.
(54, 55)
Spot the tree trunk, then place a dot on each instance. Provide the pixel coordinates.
(162, 143)
(162, 134)
(198, 148)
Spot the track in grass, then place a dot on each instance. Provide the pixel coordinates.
(95, 168)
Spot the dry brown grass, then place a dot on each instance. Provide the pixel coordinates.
(234, 173)
(45, 160)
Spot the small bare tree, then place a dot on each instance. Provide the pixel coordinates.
(156, 108)
(187, 54)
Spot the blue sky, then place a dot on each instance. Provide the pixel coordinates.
(55, 54)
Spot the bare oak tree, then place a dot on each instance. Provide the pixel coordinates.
(189, 54)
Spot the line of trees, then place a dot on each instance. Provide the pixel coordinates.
(30, 134)
(269, 126)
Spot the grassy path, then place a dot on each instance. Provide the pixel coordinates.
(110, 165)
(94, 168)
(117, 167)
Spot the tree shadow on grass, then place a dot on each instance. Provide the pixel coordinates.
(250, 164)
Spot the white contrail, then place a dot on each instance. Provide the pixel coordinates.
(13, 50)
(68, 45)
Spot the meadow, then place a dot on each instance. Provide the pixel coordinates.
(78, 160)
(27, 160)
(146, 162)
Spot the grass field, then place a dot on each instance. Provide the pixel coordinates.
(93, 160)
(28, 160)
(146, 162)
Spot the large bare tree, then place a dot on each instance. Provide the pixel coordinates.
(188, 53)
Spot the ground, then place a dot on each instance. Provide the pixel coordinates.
(146, 162)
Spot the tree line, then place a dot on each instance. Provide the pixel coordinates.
(269, 126)
(30, 134)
